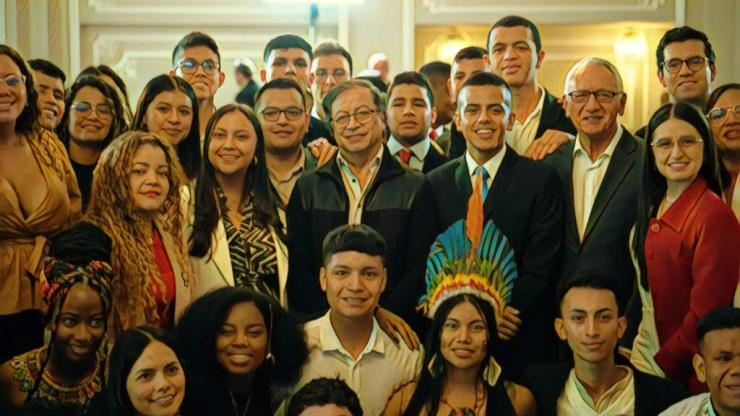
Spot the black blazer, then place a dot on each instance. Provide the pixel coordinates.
(434, 159)
(605, 246)
(317, 129)
(525, 203)
(652, 394)
(397, 205)
(553, 118)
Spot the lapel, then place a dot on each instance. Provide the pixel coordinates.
(462, 178)
(567, 172)
(500, 182)
(619, 166)
(183, 289)
(220, 254)
(434, 159)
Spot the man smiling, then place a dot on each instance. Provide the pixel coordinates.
(196, 59)
(49, 82)
(347, 341)
(524, 200)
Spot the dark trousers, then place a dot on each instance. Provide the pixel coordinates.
(21, 332)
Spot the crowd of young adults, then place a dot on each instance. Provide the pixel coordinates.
(457, 241)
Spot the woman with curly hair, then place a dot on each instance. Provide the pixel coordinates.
(235, 238)
(94, 117)
(168, 107)
(136, 202)
(239, 347)
(62, 377)
(38, 197)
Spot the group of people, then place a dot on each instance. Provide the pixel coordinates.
(291, 255)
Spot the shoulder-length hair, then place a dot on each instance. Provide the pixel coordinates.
(129, 346)
(207, 213)
(196, 333)
(188, 151)
(112, 209)
(429, 390)
(27, 120)
(654, 185)
(118, 122)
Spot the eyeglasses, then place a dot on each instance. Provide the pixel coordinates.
(85, 108)
(13, 81)
(694, 64)
(273, 114)
(718, 114)
(601, 96)
(189, 66)
(323, 74)
(666, 145)
(361, 117)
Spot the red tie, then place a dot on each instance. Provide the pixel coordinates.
(405, 156)
(433, 135)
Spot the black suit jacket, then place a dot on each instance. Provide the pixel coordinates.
(605, 246)
(553, 118)
(317, 129)
(547, 381)
(525, 203)
(397, 205)
(434, 159)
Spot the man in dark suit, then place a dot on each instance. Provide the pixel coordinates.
(289, 56)
(524, 200)
(364, 184)
(410, 115)
(599, 171)
(515, 52)
(592, 321)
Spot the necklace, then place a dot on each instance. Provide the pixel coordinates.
(467, 411)
(236, 407)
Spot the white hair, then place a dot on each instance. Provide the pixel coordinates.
(375, 58)
(582, 64)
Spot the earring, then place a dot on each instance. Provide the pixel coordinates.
(270, 358)
(492, 372)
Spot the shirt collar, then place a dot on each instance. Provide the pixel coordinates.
(419, 150)
(678, 213)
(329, 341)
(537, 110)
(344, 165)
(609, 395)
(609, 149)
(297, 169)
(491, 165)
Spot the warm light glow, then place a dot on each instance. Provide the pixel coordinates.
(631, 43)
(319, 2)
(447, 50)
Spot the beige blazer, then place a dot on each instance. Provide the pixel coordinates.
(184, 290)
(214, 270)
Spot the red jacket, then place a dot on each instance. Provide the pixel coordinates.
(692, 257)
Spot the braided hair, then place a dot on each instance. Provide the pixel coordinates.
(78, 255)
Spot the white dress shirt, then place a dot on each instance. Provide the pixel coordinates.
(382, 368)
(587, 177)
(491, 166)
(418, 152)
(522, 135)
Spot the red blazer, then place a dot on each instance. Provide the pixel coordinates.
(692, 257)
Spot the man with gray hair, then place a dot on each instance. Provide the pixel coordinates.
(599, 171)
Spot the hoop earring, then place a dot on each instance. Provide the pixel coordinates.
(435, 367)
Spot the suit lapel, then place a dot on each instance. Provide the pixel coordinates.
(619, 165)
(221, 254)
(462, 178)
(567, 166)
(500, 182)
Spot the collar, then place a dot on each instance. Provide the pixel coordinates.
(538, 109)
(678, 214)
(440, 130)
(329, 341)
(608, 395)
(298, 168)
(491, 166)
(419, 150)
(609, 149)
(374, 163)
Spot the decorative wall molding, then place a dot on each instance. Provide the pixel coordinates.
(518, 7)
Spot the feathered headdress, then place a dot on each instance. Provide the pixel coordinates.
(472, 258)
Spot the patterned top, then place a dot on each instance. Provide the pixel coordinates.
(52, 394)
(251, 248)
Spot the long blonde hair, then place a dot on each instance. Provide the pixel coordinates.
(112, 209)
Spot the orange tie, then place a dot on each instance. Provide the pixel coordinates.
(405, 156)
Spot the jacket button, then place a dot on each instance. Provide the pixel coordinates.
(655, 228)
